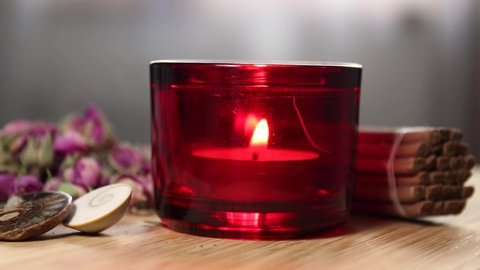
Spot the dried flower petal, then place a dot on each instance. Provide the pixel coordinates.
(18, 132)
(145, 153)
(42, 128)
(17, 127)
(38, 151)
(70, 142)
(87, 171)
(6, 186)
(72, 189)
(68, 174)
(93, 126)
(7, 161)
(125, 159)
(52, 184)
(26, 184)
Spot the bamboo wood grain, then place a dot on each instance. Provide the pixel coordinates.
(422, 178)
(405, 194)
(378, 150)
(138, 242)
(400, 166)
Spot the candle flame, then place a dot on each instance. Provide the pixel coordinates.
(250, 123)
(260, 134)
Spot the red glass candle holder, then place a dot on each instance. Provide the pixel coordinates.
(257, 151)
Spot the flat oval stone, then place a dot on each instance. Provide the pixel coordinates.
(33, 214)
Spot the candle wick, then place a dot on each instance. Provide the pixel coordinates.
(255, 156)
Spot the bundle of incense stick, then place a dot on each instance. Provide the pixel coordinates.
(412, 172)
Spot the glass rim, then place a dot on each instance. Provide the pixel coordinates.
(257, 63)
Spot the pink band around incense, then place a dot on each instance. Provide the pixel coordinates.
(392, 186)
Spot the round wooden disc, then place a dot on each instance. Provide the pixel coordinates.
(33, 214)
(100, 208)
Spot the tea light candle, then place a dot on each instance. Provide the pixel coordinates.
(257, 151)
(253, 173)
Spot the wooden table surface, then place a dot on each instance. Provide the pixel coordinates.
(139, 242)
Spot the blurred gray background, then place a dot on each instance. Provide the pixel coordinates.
(421, 58)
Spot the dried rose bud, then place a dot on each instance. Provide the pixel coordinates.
(52, 184)
(30, 153)
(38, 151)
(9, 167)
(16, 144)
(25, 127)
(17, 133)
(45, 155)
(17, 127)
(105, 180)
(26, 184)
(125, 159)
(6, 186)
(7, 161)
(93, 126)
(72, 189)
(87, 171)
(42, 128)
(67, 174)
(145, 153)
(70, 142)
